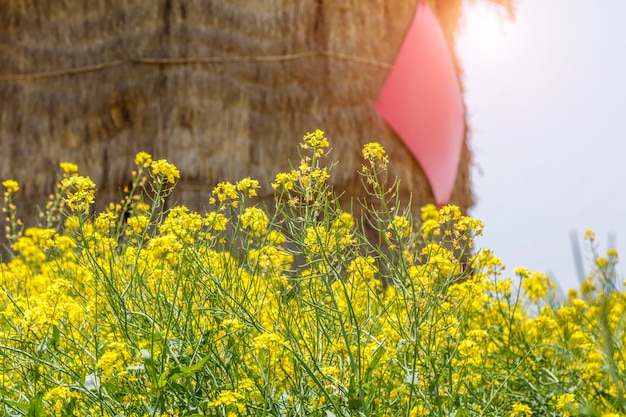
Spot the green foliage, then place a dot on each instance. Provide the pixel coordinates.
(239, 311)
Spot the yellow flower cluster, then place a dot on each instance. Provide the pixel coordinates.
(152, 315)
(255, 220)
(229, 399)
(316, 140)
(375, 154)
(216, 221)
(11, 186)
(164, 169)
(80, 192)
(285, 180)
(226, 191)
(521, 410)
(323, 239)
(68, 168)
(143, 159)
(248, 186)
(401, 226)
(536, 285)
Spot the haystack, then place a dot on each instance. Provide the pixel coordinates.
(224, 89)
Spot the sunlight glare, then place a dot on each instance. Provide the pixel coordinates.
(484, 26)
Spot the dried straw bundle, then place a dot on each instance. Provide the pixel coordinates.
(222, 88)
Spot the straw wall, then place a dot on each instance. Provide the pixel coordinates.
(224, 89)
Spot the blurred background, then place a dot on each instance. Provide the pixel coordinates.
(546, 100)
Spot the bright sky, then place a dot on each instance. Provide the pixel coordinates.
(546, 99)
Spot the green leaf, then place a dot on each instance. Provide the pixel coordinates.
(149, 365)
(378, 354)
(190, 370)
(18, 405)
(354, 400)
(163, 378)
(462, 412)
(177, 388)
(56, 337)
(35, 407)
(176, 374)
(187, 371)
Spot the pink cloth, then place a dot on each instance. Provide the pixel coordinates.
(421, 100)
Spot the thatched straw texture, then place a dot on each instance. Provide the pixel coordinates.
(222, 88)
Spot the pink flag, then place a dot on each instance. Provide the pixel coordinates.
(421, 100)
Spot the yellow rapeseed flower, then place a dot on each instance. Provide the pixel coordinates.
(317, 240)
(588, 286)
(449, 213)
(224, 191)
(537, 286)
(137, 224)
(504, 287)
(104, 222)
(375, 153)
(373, 150)
(11, 186)
(233, 325)
(255, 220)
(248, 186)
(345, 220)
(167, 170)
(80, 192)
(521, 410)
(113, 360)
(229, 398)
(182, 223)
(270, 341)
(285, 179)
(216, 221)
(316, 139)
(566, 402)
(270, 257)
(275, 237)
(320, 174)
(401, 225)
(429, 212)
(69, 168)
(363, 268)
(419, 410)
(143, 159)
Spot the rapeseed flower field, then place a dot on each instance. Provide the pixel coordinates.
(149, 310)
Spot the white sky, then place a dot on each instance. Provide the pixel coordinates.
(546, 99)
